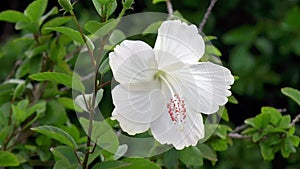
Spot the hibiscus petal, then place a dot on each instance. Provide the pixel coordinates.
(165, 131)
(206, 85)
(127, 125)
(138, 108)
(133, 61)
(180, 40)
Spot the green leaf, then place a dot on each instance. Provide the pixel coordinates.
(72, 130)
(104, 67)
(56, 134)
(292, 93)
(291, 20)
(170, 159)
(53, 11)
(44, 154)
(65, 157)
(245, 34)
(19, 90)
(232, 99)
(157, 1)
(274, 113)
(289, 146)
(8, 159)
(260, 121)
(69, 104)
(71, 33)
(116, 37)
(249, 131)
(39, 107)
(103, 134)
(110, 8)
(285, 122)
(36, 50)
(19, 111)
(65, 79)
(111, 165)
(13, 16)
(191, 156)
(207, 152)
(152, 28)
(139, 163)
(264, 45)
(266, 152)
(209, 38)
(55, 114)
(6, 91)
(107, 28)
(221, 131)
(257, 136)
(212, 50)
(54, 23)
(295, 140)
(219, 145)
(94, 26)
(36, 9)
(105, 9)
(224, 114)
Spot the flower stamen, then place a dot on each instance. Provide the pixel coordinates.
(176, 106)
(177, 111)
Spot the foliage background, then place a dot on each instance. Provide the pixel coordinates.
(260, 43)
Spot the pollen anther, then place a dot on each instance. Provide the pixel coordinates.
(177, 110)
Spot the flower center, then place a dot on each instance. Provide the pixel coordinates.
(176, 105)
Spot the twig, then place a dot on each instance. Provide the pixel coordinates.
(295, 120)
(238, 136)
(239, 128)
(12, 72)
(235, 133)
(206, 15)
(169, 7)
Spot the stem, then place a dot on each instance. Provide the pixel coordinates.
(295, 120)
(235, 133)
(238, 136)
(12, 72)
(84, 39)
(88, 143)
(206, 15)
(104, 84)
(96, 63)
(169, 7)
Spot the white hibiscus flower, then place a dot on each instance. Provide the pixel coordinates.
(165, 88)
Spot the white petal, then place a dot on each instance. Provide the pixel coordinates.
(129, 126)
(205, 85)
(133, 61)
(180, 40)
(166, 132)
(138, 108)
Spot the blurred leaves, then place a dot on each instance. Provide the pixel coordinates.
(8, 159)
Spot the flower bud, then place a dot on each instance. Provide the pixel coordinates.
(65, 4)
(127, 4)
